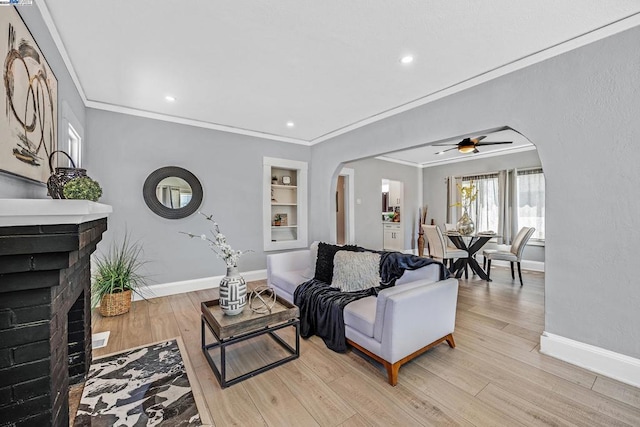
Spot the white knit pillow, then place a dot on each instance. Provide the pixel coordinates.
(353, 271)
(310, 271)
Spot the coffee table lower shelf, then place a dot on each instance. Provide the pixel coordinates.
(221, 374)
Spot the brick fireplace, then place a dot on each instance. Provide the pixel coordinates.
(45, 315)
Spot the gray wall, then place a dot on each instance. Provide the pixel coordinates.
(435, 189)
(368, 218)
(11, 186)
(126, 149)
(581, 110)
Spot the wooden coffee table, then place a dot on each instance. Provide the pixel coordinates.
(229, 330)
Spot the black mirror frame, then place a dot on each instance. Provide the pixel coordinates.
(151, 199)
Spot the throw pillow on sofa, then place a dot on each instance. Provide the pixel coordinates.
(324, 262)
(310, 271)
(354, 271)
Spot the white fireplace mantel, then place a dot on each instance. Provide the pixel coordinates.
(18, 212)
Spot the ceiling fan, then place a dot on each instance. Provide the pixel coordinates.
(469, 145)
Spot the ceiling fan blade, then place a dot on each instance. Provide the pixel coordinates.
(494, 143)
(478, 139)
(449, 149)
(476, 151)
(444, 145)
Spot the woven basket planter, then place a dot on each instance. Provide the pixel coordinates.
(115, 304)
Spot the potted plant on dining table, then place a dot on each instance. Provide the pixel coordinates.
(468, 195)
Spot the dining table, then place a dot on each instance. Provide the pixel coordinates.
(471, 244)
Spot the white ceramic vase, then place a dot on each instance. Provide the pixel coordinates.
(233, 292)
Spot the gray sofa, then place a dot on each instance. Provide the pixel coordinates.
(399, 324)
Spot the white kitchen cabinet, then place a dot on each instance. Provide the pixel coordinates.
(395, 193)
(393, 237)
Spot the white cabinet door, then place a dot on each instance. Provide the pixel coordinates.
(395, 193)
(393, 237)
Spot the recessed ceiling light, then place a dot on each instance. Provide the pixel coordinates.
(407, 59)
(290, 124)
(169, 98)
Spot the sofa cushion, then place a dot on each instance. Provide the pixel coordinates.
(361, 315)
(353, 271)
(310, 271)
(287, 280)
(324, 262)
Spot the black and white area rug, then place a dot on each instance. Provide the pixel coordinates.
(147, 386)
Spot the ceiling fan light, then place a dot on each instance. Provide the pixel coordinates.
(465, 149)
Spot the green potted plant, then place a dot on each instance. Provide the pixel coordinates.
(83, 188)
(117, 275)
(277, 220)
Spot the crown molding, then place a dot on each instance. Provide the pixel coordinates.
(398, 161)
(190, 122)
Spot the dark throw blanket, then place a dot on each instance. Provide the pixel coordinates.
(393, 265)
(322, 307)
(322, 311)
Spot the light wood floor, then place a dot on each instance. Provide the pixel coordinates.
(494, 377)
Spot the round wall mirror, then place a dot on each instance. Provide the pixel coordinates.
(172, 192)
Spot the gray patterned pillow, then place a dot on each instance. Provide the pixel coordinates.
(354, 271)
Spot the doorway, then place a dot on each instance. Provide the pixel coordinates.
(345, 228)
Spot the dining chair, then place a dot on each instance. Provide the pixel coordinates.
(512, 253)
(438, 248)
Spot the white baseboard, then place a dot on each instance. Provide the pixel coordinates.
(623, 368)
(174, 288)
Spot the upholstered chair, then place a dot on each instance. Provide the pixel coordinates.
(438, 248)
(511, 253)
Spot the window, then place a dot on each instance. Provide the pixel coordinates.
(531, 201)
(75, 146)
(485, 210)
(505, 202)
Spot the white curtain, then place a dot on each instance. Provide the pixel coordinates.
(530, 205)
(453, 197)
(504, 220)
(508, 224)
(485, 210)
(512, 198)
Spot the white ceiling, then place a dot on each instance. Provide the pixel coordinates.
(250, 66)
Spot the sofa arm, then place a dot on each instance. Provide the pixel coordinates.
(288, 261)
(418, 317)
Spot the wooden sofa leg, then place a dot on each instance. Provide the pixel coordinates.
(392, 372)
(394, 368)
(450, 341)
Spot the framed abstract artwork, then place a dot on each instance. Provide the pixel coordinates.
(29, 120)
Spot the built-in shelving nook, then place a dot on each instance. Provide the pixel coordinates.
(284, 204)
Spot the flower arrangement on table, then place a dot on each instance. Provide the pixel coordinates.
(218, 243)
(468, 195)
